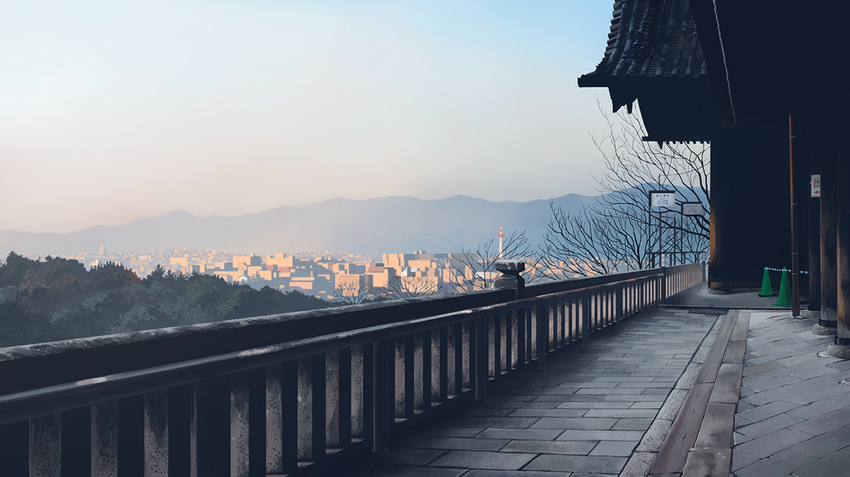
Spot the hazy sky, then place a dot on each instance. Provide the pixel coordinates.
(112, 111)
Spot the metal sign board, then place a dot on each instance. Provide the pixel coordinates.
(815, 185)
(692, 208)
(662, 198)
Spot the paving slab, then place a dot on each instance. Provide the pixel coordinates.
(484, 460)
(790, 418)
(589, 464)
(708, 462)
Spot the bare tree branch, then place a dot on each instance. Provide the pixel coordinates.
(475, 269)
(622, 232)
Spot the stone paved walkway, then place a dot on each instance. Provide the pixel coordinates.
(583, 416)
(793, 416)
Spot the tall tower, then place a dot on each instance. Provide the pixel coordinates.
(501, 235)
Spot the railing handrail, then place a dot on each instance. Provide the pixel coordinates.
(253, 356)
(46, 364)
(69, 395)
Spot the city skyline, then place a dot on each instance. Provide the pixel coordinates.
(111, 113)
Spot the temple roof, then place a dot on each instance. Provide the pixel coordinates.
(654, 56)
(650, 38)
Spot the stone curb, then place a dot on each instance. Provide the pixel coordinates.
(641, 461)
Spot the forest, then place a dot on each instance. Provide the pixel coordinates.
(55, 299)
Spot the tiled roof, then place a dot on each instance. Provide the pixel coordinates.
(650, 38)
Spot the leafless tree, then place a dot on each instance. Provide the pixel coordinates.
(474, 269)
(411, 287)
(621, 231)
(354, 292)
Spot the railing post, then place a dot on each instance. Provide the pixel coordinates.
(156, 432)
(318, 433)
(289, 416)
(542, 334)
(76, 442)
(663, 285)
(585, 318)
(383, 410)
(618, 302)
(212, 427)
(444, 363)
(481, 358)
(45, 446)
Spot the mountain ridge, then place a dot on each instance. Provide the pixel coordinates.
(366, 226)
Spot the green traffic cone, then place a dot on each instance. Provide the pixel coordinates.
(766, 287)
(784, 290)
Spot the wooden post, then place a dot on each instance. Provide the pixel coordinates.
(828, 274)
(841, 349)
(795, 255)
(383, 410)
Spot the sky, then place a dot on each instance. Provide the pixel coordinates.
(117, 110)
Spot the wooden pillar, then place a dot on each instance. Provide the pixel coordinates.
(828, 278)
(841, 348)
(813, 158)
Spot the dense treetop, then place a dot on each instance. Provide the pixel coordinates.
(56, 299)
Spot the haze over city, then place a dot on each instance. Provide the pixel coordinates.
(113, 112)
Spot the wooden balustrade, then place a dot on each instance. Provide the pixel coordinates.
(281, 394)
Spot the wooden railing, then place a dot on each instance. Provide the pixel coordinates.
(289, 394)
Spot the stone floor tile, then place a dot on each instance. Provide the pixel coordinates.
(657, 391)
(611, 391)
(832, 464)
(408, 471)
(515, 473)
(763, 383)
(456, 443)
(783, 462)
(550, 447)
(765, 446)
(816, 372)
(623, 379)
(601, 423)
(727, 386)
(490, 412)
(598, 405)
(759, 413)
(825, 444)
(614, 448)
(708, 462)
(819, 394)
(558, 412)
(413, 456)
(716, 428)
(632, 424)
(521, 434)
(522, 404)
(771, 424)
(635, 397)
(500, 422)
(484, 460)
(647, 405)
(818, 408)
(622, 413)
(823, 423)
(588, 464)
(771, 395)
(450, 432)
(589, 435)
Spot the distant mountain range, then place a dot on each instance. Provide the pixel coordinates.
(369, 227)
